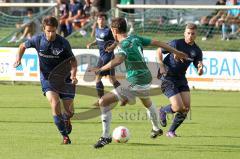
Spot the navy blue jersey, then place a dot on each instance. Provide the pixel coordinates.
(178, 68)
(50, 53)
(73, 8)
(104, 38)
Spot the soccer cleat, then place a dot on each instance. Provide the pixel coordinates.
(102, 142)
(155, 134)
(66, 140)
(171, 134)
(123, 103)
(162, 117)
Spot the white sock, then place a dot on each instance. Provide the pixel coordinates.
(153, 116)
(106, 118)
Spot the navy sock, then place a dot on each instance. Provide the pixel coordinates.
(177, 121)
(60, 125)
(65, 116)
(116, 84)
(168, 109)
(100, 89)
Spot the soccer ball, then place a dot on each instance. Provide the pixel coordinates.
(121, 134)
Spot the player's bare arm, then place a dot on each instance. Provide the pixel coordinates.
(19, 55)
(91, 44)
(73, 63)
(160, 61)
(111, 47)
(200, 68)
(111, 64)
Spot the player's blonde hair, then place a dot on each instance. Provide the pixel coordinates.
(191, 26)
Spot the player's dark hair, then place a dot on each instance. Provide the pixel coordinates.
(191, 26)
(102, 14)
(50, 21)
(120, 24)
(29, 10)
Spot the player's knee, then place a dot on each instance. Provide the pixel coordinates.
(55, 103)
(101, 102)
(178, 107)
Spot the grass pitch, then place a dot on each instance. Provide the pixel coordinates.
(27, 129)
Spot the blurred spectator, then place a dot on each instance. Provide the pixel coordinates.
(87, 8)
(86, 12)
(96, 7)
(29, 28)
(231, 20)
(212, 20)
(75, 14)
(64, 10)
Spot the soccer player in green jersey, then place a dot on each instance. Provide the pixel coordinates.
(138, 78)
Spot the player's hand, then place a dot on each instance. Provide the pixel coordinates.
(89, 45)
(17, 63)
(162, 72)
(200, 69)
(110, 48)
(74, 80)
(94, 69)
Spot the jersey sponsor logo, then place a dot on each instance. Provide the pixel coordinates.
(98, 39)
(57, 51)
(48, 56)
(102, 35)
(193, 54)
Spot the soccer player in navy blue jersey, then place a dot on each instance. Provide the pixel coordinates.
(52, 51)
(104, 38)
(75, 14)
(172, 73)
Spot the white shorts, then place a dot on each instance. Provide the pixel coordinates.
(130, 92)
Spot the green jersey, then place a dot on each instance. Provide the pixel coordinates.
(137, 71)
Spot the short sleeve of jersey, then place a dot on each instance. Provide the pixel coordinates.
(31, 43)
(121, 52)
(68, 50)
(122, 49)
(172, 44)
(110, 35)
(145, 41)
(198, 58)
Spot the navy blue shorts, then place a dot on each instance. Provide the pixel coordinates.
(103, 61)
(65, 90)
(171, 86)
